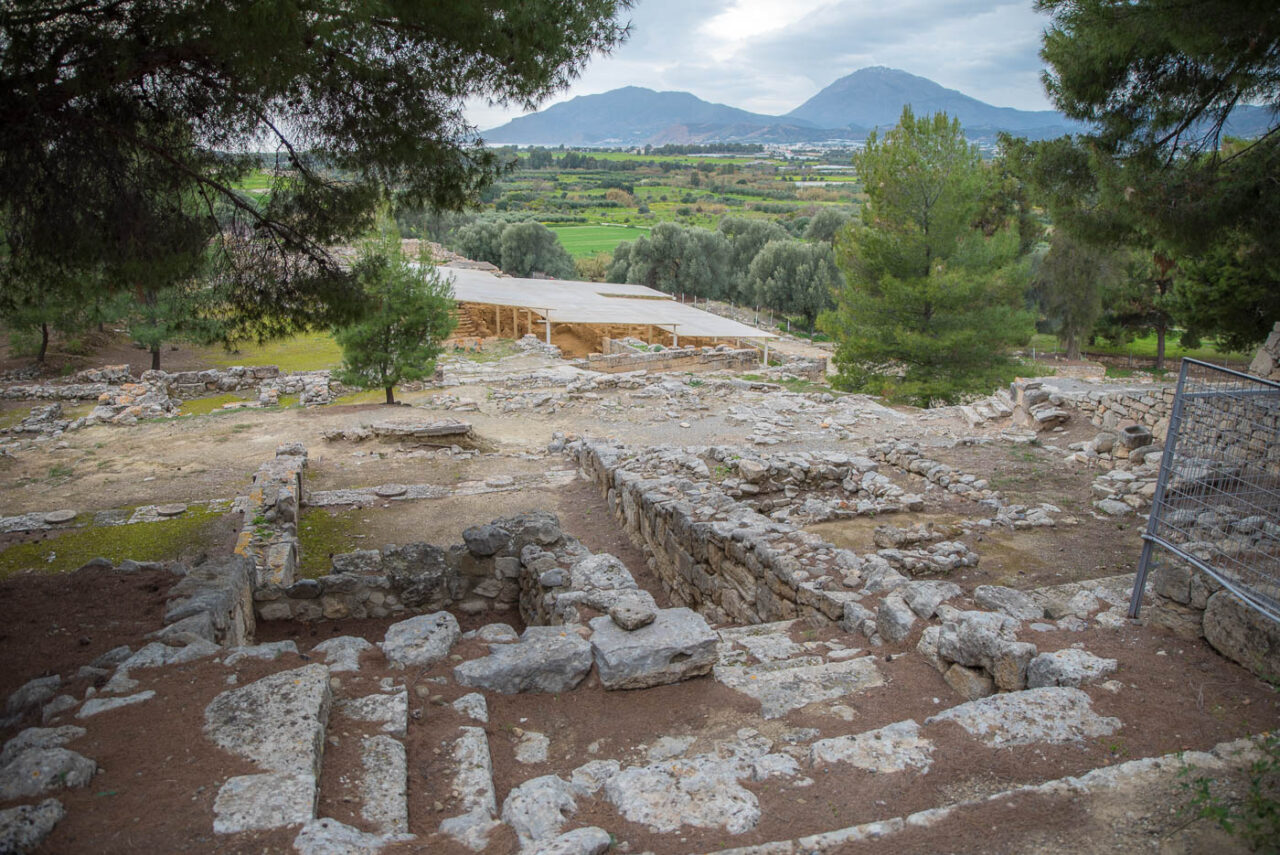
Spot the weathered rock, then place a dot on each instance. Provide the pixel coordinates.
(277, 722)
(630, 616)
(784, 686)
(473, 789)
(973, 642)
(1242, 634)
(391, 710)
(266, 652)
(894, 619)
(925, 597)
(421, 573)
(892, 748)
(1047, 715)
(970, 683)
(330, 837)
(581, 841)
(473, 706)
(677, 645)
(37, 771)
(1069, 667)
(32, 694)
(532, 748)
(343, 652)
(421, 641)
(24, 828)
(539, 808)
(497, 633)
(702, 791)
(547, 659)
(39, 737)
(93, 706)
(1009, 601)
(384, 786)
(266, 801)
(486, 540)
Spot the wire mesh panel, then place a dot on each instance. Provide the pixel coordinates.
(1217, 501)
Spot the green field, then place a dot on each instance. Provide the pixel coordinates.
(1145, 348)
(587, 241)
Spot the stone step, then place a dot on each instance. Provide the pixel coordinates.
(473, 791)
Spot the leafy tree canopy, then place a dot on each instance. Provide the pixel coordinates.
(795, 277)
(127, 124)
(934, 286)
(408, 315)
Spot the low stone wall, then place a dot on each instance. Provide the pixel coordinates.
(714, 554)
(269, 537)
(99, 384)
(1195, 605)
(213, 601)
(673, 359)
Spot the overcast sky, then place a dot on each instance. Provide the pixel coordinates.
(770, 56)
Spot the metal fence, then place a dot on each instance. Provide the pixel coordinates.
(1217, 500)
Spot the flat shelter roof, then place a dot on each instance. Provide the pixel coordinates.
(566, 302)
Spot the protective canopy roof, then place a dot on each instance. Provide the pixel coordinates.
(565, 302)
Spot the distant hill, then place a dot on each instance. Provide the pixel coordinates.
(847, 109)
(634, 115)
(873, 97)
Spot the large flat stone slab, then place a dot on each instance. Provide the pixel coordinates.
(472, 790)
(1051, 715)
(784, 686)
(384, 784)
(37, 771)
(703, 792)
(892, 748)
(260, 802)
(678, 645)
(277, 722)
(421, 641)
(547, 659)
(330, 837)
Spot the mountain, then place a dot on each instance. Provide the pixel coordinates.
(873, 97)
(634, 115)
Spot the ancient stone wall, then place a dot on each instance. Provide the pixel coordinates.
(674, 359)
(101, 384)
(717, 555)
(269, 537)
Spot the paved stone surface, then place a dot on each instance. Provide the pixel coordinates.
(892, 748)
(266, 801)
(1014, 603)
(23, 828)
(384, 784)
(703, 792)
(795, 683)
(1047, 715)
(677, 645)
(421, 641)
(546, 659)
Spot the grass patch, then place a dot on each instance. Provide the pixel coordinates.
(588, 241)
(1145, 348)
(493, 351)
(204, 406)
(306, 352)
(322, 534)
(154, 541)
(368, 396)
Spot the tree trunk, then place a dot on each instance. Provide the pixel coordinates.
(1161, 329)
(155, 357)
(44, 342)
(1073, 347)
(391, 398)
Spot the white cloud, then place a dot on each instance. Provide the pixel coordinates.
(770, 56)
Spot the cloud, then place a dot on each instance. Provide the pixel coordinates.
(770, 56)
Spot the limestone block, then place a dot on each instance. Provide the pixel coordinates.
(677, 645)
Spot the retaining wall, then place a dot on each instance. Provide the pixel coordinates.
(672, 359)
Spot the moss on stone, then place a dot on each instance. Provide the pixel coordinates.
(151, 541)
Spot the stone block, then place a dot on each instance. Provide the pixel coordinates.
(677, 645)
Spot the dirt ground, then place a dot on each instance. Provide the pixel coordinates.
(159, 776)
